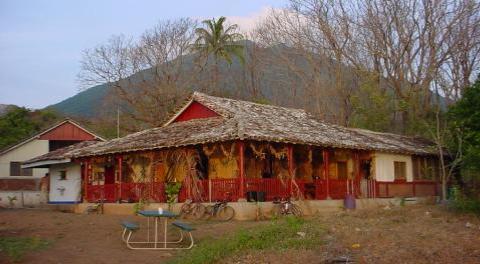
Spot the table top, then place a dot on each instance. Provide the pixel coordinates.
(155, 213)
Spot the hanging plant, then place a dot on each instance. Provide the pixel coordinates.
(227, 155)
(281, 154)
(209, 151)
(258, 152)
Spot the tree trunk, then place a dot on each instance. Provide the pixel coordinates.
(215, 77)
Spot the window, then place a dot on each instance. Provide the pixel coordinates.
(16, 169)
(342, 171)
(400, 170)
(63, 175)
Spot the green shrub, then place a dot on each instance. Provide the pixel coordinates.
(462, 203)
(171, 190)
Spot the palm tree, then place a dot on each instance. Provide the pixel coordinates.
(214, 39)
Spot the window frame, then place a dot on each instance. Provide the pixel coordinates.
(396, 172)
(62, 175)
(17, 170)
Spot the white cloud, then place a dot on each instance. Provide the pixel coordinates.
(248, 23)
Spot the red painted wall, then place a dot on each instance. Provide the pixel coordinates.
(67, 131)
(195, 111)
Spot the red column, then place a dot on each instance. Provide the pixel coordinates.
(241, 167)
(290, 166)
(88, 172)
(413, 187)
(326, 168)
(357, 173)
(119, 164)
(85, 180)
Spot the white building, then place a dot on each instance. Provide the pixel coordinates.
(16, 178)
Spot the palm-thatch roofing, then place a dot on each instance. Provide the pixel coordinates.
(243, 120)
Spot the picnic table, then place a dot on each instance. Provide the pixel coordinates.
(157, 215)
(130, 227)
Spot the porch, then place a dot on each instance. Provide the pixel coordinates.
(238, 169)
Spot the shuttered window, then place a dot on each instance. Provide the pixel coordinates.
(400, 168)
(16, 169)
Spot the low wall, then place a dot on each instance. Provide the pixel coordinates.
(19, 183)
(248, 210)
(23, 199)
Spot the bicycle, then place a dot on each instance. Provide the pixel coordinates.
(194, 209)
(221, 210)
(285, 206)
(96, 208)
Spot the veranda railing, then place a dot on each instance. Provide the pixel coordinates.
(219, 189)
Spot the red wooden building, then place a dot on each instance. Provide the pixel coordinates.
(216, 146)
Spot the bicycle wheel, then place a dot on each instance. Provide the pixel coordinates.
(225, 213)
(208, 212)
(296, 210)
(198, 211)
(276, 211)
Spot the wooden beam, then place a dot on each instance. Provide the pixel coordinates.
(291, 165)
(119, 164)
(85, 180)
(326, 165)
(357, 171)
(241, 168)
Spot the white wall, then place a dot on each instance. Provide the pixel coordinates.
(71, 186)
(384, 168)
(23, 198)
(24, 152)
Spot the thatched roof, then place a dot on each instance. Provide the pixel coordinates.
(242, 120)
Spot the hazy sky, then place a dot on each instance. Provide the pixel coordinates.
(41, 41)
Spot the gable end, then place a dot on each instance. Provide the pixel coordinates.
(195, 110)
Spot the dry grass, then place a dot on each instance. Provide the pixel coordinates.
(411, 234)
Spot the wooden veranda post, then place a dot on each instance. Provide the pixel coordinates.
(119, 162)
(241, 168)
(290, 166)
(88, 172)
(325, 168)
(357, 171)
(85, 180)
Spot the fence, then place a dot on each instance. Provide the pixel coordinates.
(406, 189)
(219, 189)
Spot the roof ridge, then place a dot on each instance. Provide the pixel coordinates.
(383, 133)
(33, 136)
(200, 94)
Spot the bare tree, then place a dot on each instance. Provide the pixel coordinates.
(148, 75)
(406, 44)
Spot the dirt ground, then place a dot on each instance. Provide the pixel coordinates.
(412, 234)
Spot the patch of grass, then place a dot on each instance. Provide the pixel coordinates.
(278, 235)
(16, 247)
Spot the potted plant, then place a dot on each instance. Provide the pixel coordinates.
(171, 190)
